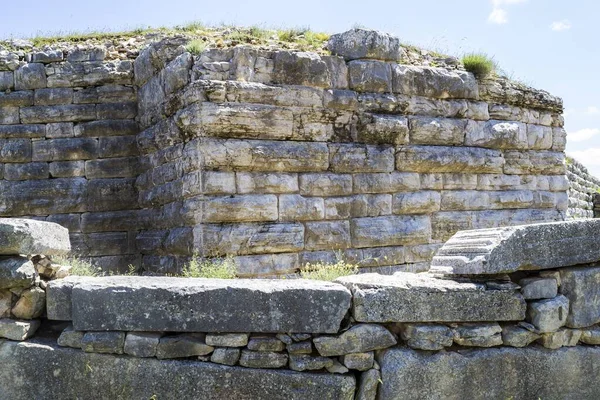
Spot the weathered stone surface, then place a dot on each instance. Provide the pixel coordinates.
(327, 235)
(18, 330)
(548, 315)
(370, 76)
(59, 113)
(362, 205)
(113, 377)
(390, 231)
(225, 356)
(350, 157)
(5, 303)
(254, 182)
(581, 285)
(437, 83)
(449, 159)
(16, 272)
(294, 207)
(263, 359)
(70, 338)
(358, 361)
(437, 131)
(304, 347)
(300, 68)
(527, 247)
(561, 338)
(358, 339)
(362, 43)
(142, 344)
(31, 304)
(325, 184)
(534, 163)
(591, 335)
(265, 343)
(384, 129)
(30, 76)
(243, 208)
(58, 298)
(538, 288)
(422, 202)
(407, 297)
(497, 135)
(516, 336)
(478, 335)
(208, 305)
(427, 336)
(386, 182)
(227, 339)
(22, 236)
(103, 342)
(367, 385)
(182, 346)
(303, 362)
(409, 374)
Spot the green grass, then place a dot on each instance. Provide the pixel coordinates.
(481, 65)
(322, 271)
(196, 46)
(216, 268)
(78, 266)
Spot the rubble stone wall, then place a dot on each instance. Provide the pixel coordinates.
(582, 188)
(67, 147)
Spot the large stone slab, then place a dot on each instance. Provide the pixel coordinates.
(58, 298)
(494, 373)
(25, 236)
(581, 285)
(208, 305)
(407, 297)
(62, 373)
(525, 247)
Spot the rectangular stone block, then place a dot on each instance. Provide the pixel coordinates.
(22, 172)
(59, 130)
(9, 115)
(497, 135)
(67, 169)
(437, 131)
(361, 158)
(22, 131)
(383, 129)
(534, 163)
(15, 150)
(438, 83)
(386, 182)
(408, 297)
(7, 81)
(327, 235)
(581, 285)
(294, 207)
(241, 208)
(258, 182)
(422, 202)
(117, 146)
(30, 76)
(22, 98)
(107, 127)
(390, 231)
(266, 265)
(67, 149)
(364, 205)
(300, 68)
(111, 195)
(126, 110)
(59, 113)
(260, 306)
(448, 159)
(325, 184)
(52, 96)
(217, 182)
(370, 76)
(125, 167)
(38, 197)
(264, 155)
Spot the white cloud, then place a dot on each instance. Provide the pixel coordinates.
(592, 110)
(499, 15)
(588, 157)
(582, 134)
(559, 26)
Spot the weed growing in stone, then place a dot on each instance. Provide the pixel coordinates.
(217, 268)
(78, 266)
(196, 46)
(322, 271)
(481, 65)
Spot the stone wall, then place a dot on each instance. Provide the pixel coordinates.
(67, 146)
(582, 188)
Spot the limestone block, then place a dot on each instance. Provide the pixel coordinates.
(370, 76)
(177, 73)
(7, 81)
(300, 68)
(534, 163)
(9, 115)
(31, 304)
(508, 249)
(288, 96)
(59, 130)
(437, 131)
(390, 231)
(20, 236)
(18, 330)
(325, 184)
(422, 202)
(70, 338)
(358, 361)
(225, 356)
(438, 83)
(47, 56)
(117, 146)
(386, 182)
(581, 285)
(108, 127)
(241, 208)
(448, 159)
(294, 207)
(260, 306)
(118, 167)
(539, 137)
(427, 336)
(340, 99)
(478, 335)
(263, 359)
(227, 339)
(560, 338)
(22, 172)
(327, 235)
(267, 265)
(97, 53)
(112, 194)
(265, 343)
(591, 335)
(52, 96)
(303, 362)
(407, 297)
(263, 155)
(498, 135)
(260, 182)
(58, 113)
(361, 43)
(559, 139)
(182, 346)
(142, 344)
(103, 342)
(125, 110)
(360, 338)
(368, 384)
(30, 76)
(538, 288)
(348, 157)
(516, 336)
(548, 315)
(151, 377)
(304, 347)
(383, 129)
(22, 131)
(15, 150)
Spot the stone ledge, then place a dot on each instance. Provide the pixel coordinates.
(24, 236)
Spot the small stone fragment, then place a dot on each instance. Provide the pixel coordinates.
(560, 338)
(16, 272)
(265, 343)
(303, 362)
(142, 344)
(182, 346)
(18, 330)
(538, 288)
(263, 359)
(591, 335)
(478, 335)
(548, 315)
(367, 385)
(298, 337)
(300, 347)
(284, 338)
(358, 361)
(225, 356)
(358, 339)
(111, 342)
(427, 336)
(70, 338)
(31, 304)
(337, 368)
(516, 336)
(227, 339)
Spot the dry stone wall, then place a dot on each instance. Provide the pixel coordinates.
(582, 188)
(67, 147)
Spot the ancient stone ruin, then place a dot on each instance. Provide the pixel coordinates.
(449, 192)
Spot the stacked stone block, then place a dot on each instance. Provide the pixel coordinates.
(583, 187)
(68, 152)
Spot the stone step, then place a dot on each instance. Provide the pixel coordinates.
(61, 373)
(524, 247)
(165, 304)
(406, 297)
(28, 237)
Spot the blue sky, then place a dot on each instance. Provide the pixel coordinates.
(550, 44)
